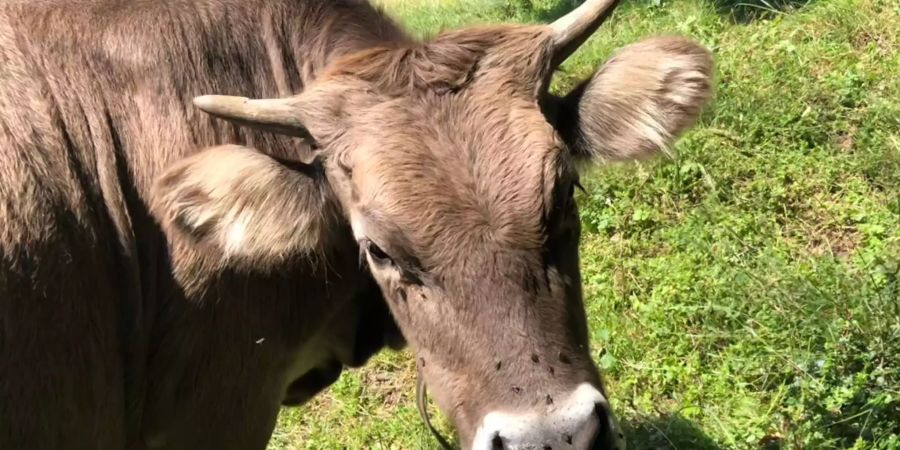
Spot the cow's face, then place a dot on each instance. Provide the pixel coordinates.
(456, 171)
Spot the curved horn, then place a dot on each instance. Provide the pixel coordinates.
(573, 29)
(279, 115)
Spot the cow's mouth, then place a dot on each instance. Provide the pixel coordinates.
(317, 380)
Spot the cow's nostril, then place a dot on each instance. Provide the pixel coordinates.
(497, 443)
(608, 435)
(601, 412)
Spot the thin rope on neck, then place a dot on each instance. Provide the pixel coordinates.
(422, 404)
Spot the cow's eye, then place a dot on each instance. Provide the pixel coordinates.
(377, 254)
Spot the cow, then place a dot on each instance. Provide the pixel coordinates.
(209, 208)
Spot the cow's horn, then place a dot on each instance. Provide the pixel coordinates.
(281, 115)
(571, 30)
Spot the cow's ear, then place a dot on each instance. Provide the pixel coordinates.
(244, 206)
(639, 102)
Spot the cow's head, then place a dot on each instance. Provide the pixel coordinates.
(456, 170)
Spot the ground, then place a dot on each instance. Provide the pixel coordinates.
(743, 294)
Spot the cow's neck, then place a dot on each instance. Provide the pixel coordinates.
(300, 45)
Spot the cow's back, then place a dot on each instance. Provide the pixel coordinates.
(99, 343)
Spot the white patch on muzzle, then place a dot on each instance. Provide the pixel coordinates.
(570, 424)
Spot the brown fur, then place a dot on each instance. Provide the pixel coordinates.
(109, 337)
(448, 155)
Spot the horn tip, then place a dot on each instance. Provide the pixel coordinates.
(204, 101)
(210, 102)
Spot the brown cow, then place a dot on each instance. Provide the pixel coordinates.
(168, 279)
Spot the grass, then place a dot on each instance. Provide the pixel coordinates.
(744, 295)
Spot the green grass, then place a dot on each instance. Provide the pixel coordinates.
(744, 295)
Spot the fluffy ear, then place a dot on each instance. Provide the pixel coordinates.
(639, 102)
(244, 206)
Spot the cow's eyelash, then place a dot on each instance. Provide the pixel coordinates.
(368, 248)
(408, 272)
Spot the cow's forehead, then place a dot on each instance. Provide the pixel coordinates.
(453, 175)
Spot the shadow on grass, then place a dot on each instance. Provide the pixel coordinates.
(667, 432)
(739, 11)
(747, 11)
(538, 11)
